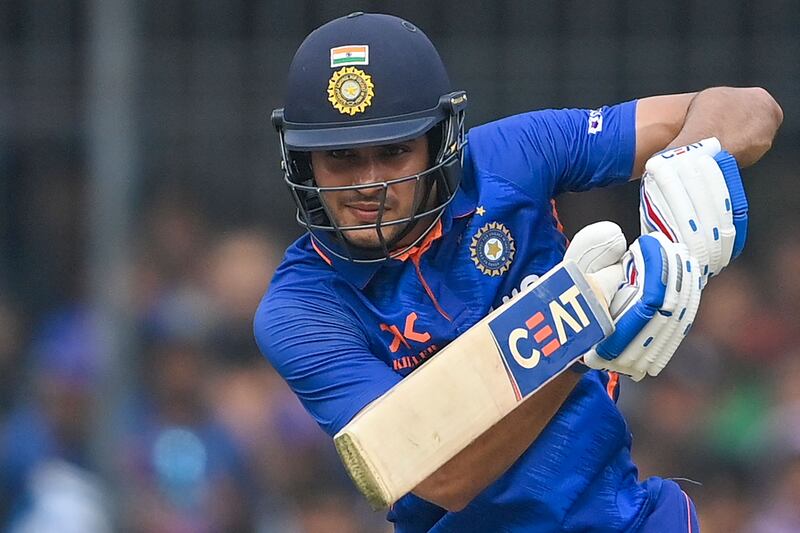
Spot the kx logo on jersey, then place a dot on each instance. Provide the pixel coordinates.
(411, 332)
(408, 333)
(535, 334)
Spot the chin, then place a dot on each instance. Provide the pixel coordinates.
(365, 239)
(368, 238)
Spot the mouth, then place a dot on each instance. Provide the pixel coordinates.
(366, 212)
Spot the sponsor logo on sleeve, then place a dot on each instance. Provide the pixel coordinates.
(595, 122)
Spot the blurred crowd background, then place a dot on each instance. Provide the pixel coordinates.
(142, 213)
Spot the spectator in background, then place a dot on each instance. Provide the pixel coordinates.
(183, 471)
(169, 294)
(46, 469)
(238, 266)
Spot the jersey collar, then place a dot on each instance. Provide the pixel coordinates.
(360, 274)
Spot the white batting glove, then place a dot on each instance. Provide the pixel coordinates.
(694, 195)
(597, 249)
(653, 310)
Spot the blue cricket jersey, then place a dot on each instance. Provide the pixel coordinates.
(341, 334)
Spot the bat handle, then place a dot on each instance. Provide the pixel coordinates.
(605, 282)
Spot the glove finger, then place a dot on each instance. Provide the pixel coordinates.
(684, 215)
(673, 267)
(647, 271)
(655, 212)
(655, 344)
(686, 282)
(666, 321)
(705, 185)
(679, 325)
(706, 219)
(710, 147)
(642, 349)
(683, 321)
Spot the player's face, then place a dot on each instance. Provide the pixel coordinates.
(374, 164)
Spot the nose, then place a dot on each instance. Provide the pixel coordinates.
(370, 171)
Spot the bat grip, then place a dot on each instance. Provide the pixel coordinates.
(606, 281)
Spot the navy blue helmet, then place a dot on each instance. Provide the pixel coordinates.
(370, 80)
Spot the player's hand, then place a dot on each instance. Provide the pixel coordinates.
(597, 249)
(653, 310)
(694, 195)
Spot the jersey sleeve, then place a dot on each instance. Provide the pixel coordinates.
(321, 352)
(557, 150)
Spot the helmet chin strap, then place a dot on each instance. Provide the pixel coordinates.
(421, 207)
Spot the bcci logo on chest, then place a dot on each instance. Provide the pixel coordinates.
(492, 249)
(544, 331)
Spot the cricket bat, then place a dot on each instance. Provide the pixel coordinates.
(404, 436)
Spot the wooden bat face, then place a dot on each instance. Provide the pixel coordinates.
(425, 420)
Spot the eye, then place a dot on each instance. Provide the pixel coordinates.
(395, 149)
(340, 154)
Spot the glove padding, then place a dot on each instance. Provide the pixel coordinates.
(653, 310)
(597, 249)
(694, 195)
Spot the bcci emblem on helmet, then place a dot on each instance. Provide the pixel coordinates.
(492, 249)
(350, 90)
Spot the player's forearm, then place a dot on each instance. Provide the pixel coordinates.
(462, 478)
(745, 120)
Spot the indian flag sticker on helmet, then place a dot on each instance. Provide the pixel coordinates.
(352, 54)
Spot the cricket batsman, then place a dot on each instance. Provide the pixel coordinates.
(418, 229)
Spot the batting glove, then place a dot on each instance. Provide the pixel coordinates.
(694, 195)
(653, 310)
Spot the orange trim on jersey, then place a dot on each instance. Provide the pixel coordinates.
(319, 252)
(613, 383)
(424, 246)
(559, 226)
(415, 254)
(428, 290)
